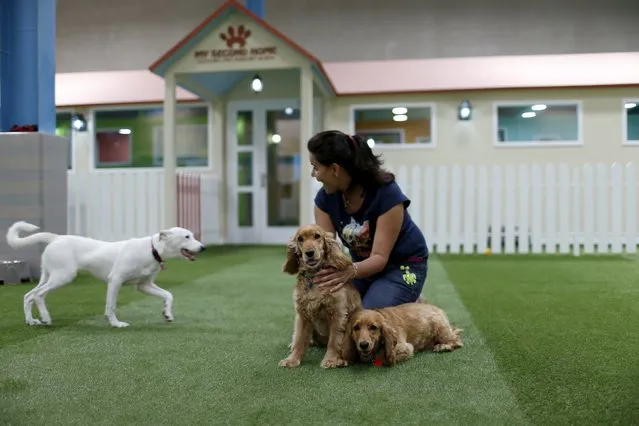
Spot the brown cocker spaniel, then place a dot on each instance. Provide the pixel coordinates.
(391, 335)
(327, 314)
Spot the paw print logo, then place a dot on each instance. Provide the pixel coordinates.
(233, 38)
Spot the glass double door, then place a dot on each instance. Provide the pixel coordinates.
(263, 158)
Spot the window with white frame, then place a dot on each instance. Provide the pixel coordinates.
(394, 124)
(631, 111)
(132, 137)
(191, 142)
(537, 123)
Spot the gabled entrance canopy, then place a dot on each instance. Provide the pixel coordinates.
(226, 48)
(229, 45)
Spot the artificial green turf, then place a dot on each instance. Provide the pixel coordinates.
(86, 296)
(562, 329)
(217, 363)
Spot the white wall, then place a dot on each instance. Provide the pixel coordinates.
(121, 34)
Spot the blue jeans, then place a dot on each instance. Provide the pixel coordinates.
(398, 283)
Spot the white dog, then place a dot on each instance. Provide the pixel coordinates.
(136, 261)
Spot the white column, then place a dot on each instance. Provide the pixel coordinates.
(217, 159)
(170, 186)
(306, 132)
(83, 145)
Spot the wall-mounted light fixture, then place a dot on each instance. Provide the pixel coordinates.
(465, 110)
(256, 83)
(79, 123)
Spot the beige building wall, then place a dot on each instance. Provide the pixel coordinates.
(472, 142)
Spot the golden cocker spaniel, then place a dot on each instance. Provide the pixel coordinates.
(316, 310)
(389, 335)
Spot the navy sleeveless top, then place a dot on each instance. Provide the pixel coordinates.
(357, 230)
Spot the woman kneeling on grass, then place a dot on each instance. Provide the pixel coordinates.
(365, 205)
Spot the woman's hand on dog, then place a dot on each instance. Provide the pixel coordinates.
(332, 280)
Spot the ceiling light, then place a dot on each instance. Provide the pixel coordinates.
(630, 105)
(539, 107)
(124, 131)
(276, 138)
(256, 84)
(528, 114)
(400, 117)
(288, 111)
(400, 110)
(370, 142)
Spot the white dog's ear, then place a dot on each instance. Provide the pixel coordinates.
(164, 235)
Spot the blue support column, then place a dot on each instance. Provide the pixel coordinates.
(27, 73)
(256, 6)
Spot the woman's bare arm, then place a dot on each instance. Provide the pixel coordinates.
(324, 220)
(388, 226)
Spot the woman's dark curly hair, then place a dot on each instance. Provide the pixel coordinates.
(353, 154)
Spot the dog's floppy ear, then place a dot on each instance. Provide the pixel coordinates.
(164, 235)
(349, 350)
(292, 263)
(335, 257)
(389, 334)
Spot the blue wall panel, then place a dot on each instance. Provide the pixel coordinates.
(27, 67)
(256, 6)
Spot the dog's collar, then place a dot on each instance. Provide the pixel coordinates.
(378, 359)
(157, 256)
(308, 278)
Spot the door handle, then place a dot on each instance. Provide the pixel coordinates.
(263, 180)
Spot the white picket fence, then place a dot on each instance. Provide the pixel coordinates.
(550, 208)
(538, 208)
(116, 204)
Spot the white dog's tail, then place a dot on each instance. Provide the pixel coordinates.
(15, 241)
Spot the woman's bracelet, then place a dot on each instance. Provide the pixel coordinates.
(355, 270)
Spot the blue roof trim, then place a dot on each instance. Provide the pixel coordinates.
(219, 83)
(189, 45)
